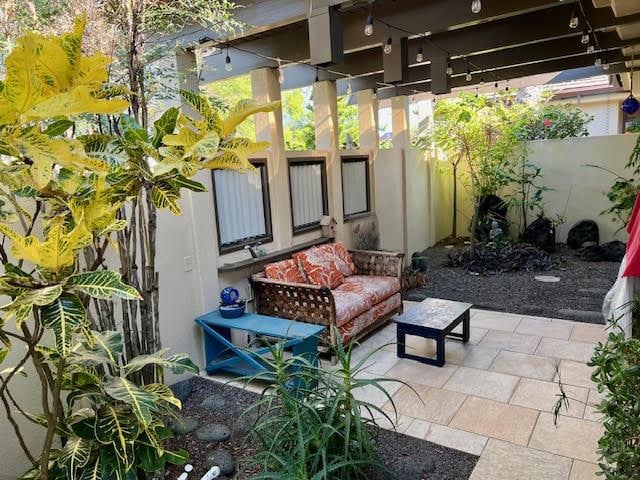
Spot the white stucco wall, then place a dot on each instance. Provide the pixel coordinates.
(576, 190)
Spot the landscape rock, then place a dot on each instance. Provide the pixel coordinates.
(541, 233)
(581, 232)
(223, 459)
(214, 403)
(182, 390)
(613, 251)
(591, 253)
(183, 425)
(415, 466)
(419, 262)
(214, 432)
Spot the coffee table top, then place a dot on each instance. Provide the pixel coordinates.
(433, 313)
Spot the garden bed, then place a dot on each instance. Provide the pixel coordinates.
(577, 296)
(224, 404)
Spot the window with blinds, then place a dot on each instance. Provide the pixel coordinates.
(308, 190)
(243, 213)
(356, 199)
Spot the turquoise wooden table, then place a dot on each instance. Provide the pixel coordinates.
(222, 355)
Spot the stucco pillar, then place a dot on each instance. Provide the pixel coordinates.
(325, 112)
(368, 119)
(269, 128)
(401, 145)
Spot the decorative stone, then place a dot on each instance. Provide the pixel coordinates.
(415, 466)
(583, 231)
(223, 459)
(182, 390)
(613, 251)
(183, 425)
(547, 278)
(214, 432)
(419, 262)
(591, 253)
(541, 233)
(214, 403)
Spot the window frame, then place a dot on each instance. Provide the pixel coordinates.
(356, 159)
(261, 163)
(322, 161)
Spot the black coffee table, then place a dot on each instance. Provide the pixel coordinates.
(433, 318)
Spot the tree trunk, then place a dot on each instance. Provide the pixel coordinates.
(454, 226)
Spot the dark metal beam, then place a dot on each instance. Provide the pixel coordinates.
(325, 35)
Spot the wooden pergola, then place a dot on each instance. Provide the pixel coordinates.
(436, 45)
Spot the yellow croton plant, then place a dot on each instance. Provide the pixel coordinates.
(61, 191)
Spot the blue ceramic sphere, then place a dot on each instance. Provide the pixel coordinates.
(229, 295)
(631, 105)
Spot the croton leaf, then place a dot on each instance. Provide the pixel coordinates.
(163, 393)
(92, 471)
(180, 181)
(165, 125)
(164, 197)
(102, 284)
(133, 131)
(40, 296)
(178, 363)
(58, 127)
(142, 402)
(106, 347)
(242, 110)
(179, 457)
(64, 316)
(75, 455)
(118, 426)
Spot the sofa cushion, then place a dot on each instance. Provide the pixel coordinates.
(349, 305)
(353, 327)
(285, 271)
(321, 269)
(375, 288)
(339, 253)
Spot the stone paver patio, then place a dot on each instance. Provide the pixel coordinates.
(494, 397)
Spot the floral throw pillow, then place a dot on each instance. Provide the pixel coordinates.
(285, 271)
(342, 257)
(320, 268)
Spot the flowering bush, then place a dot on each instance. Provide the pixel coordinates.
(554, 121)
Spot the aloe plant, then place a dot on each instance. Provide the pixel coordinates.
(312, 424)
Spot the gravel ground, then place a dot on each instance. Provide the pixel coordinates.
(405, 455)
(577, 296)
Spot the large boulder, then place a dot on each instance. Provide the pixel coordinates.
(613, 251)
(491, 207)
(541, 233)
(581, 232)
(419, 262)
(223, 459)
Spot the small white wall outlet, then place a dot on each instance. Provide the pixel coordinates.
(188, 263)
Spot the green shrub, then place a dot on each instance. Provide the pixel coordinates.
(311, 424)
(554, 122)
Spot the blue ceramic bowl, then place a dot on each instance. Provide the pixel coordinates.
(232, 311)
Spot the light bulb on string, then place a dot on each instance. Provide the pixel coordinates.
(506, 88)
(227, 62)
(419, 55)
(368, 27)
(374, 95)
(597, 62)
(449, 67)
(280, 72)
(590, 48)
(349, 89)
(387, 46)
(605, 64)
(476, 6)
(468, 76)
(574, 21)
(584, 39)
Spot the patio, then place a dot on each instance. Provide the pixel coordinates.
(495, 396)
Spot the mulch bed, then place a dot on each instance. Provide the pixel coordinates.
(581, 288)
(402, 453)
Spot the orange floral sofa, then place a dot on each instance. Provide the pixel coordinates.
(352, 292)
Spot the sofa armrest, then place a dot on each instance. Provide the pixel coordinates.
(295, 301)
(372, 262)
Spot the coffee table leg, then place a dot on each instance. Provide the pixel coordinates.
(466, 326)
(401, 339)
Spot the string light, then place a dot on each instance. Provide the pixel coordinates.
(419, 55)
(374, 95)
(349, 89)
(574, 21)
(590, 48)
(317, 79)
(597, 62)
(506, 88)
(280, 71)
(468, 76)
(605, 64)
(387, 46)
(368, 27)
(227, 62)
(449, 67)
(585, 37)
(476, 6)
